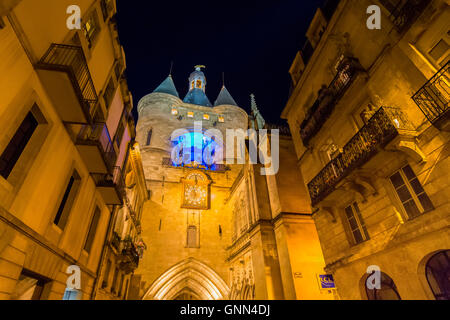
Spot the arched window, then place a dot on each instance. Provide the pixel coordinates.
(388, 289)
(438, 275)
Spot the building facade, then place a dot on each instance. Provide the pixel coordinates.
(369, 119)
(65, 114)
(125, 247)
(219, 229)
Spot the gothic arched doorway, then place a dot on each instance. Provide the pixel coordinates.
(188, 280)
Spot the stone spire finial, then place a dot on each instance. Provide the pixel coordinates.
(260, 122)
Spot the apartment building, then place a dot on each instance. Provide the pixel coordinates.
(65, 113)
(369, 115)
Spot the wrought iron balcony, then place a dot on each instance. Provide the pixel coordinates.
(167, 162)
(405, 13)
(96, 148)
(129, 258)
(111, 186)
(329, 98)
(381, 129)
(434, 96)
(65, 74)
(284, 130)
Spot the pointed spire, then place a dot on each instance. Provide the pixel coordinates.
(225, 98)
(260, 122)
(167, 86)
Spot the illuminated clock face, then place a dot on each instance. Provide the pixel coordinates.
(195, 195)
(195, 192)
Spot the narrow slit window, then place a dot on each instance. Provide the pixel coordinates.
(192, 237)
(149, 136)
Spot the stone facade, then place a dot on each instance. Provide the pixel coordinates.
(60, 183)
(345, 162)
(255, 240)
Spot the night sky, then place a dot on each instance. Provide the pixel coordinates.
(253, 42)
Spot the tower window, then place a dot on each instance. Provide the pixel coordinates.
(199, 83)
(67, 201)
(356, 223)
(410, 192)
(174, 111)
(92, 230)
(149, 136)
(221, 119)
(17, 145)
(206, 117)
(192, 237)
(190, 114)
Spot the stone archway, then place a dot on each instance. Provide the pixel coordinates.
(188, 276)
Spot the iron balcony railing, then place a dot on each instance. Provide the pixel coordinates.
(284, 130)
(167, 162)
(114, 180)
(328, 99)
(405, 12)
(71, 60)
(98, 134)
(434, 96)
(381, 129)
(130, 255)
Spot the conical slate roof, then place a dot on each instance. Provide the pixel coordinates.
(198, 97)
(225, 98)
(167, 86)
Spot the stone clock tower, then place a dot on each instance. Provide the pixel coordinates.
(212, 230)
(186, 223)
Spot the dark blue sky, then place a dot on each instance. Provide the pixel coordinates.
(253, 42)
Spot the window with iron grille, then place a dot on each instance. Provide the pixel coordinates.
(409, 190)
(356, 223)
(16, 146)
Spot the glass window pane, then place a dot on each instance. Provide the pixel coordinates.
(349, 212)
(411, 209)
(426, 202)
(404, 194)
(358, 236)
(409, 173)
(417, 187)
(397, 180)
